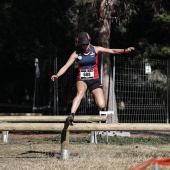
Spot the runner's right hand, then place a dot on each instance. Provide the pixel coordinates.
(54, 77)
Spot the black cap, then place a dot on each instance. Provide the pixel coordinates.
(83, 38)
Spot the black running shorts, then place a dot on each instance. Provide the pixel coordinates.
(92, 83)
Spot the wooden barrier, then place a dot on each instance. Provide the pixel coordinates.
(84, 127)
(64, 128)
(78, 118)
(26, 123)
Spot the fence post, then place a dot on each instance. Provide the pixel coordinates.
(92, 137)
(65, 143)
(5, 136)
(156, 165)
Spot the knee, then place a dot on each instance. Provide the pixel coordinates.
(101, 105)
(80, 93)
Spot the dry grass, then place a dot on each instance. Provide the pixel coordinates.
(42, 152)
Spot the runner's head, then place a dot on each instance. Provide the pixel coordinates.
(83, 38)
(84, 41)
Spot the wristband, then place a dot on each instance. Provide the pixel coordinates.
(124, 51)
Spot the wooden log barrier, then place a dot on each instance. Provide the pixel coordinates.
(91, 118)
(78, 118)
(85, 127)
(81, 127)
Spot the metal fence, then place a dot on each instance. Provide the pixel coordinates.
(140, 88)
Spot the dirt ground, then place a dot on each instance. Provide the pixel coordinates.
(41, 151)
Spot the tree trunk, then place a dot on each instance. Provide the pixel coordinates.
(105, 9)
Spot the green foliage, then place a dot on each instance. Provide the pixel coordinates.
(157, 76)
(160, 82)
(46, 29)
(163, 17)
(81, 2)
(148, 50)
(145, 27)
(31, 29)
(165, 51)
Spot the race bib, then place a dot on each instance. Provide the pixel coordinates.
(86, 73)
